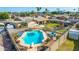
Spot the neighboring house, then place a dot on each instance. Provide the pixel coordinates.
(74, 20)
(39, 19)
(26, 19)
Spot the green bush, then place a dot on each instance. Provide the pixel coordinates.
(24, 24)
(47, 40)
(4, 15)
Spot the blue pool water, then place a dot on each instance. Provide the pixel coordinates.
(34, 36)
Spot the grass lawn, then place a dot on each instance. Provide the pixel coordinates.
(52, 25)
(69, 45)
(62, 30)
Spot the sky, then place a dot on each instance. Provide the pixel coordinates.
(29, 9)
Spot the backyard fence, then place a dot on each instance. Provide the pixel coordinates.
(60, 41)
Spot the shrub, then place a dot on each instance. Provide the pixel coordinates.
(4, 15)
(23, 24)
(47, 40)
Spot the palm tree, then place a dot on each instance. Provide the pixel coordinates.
(64, 11)
(58, 10)
(46, 11)
(78, 9)
(38, 9)
(68, 12)
(74, 9)
(75, 12)
(32, 13)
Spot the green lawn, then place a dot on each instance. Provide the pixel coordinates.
(52, 25)
(62, 30)
(69, 45)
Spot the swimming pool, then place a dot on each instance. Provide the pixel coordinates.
(33, 37)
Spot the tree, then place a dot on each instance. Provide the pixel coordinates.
(15, 13)
(58, 10)
(4, 15)
(54, 12)
(74, 9)
(68, 12)
(27, 13)
(38, 9)
(32, 13)
(12, 16)
(22, 14)
(78, 9)
(46, 11)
